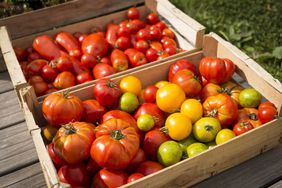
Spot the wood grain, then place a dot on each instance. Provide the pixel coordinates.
(5, 82)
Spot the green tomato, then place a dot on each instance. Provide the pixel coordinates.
(206, 128)
(145, 122)
(195, 149)
(249, 98)
(185, 143)
(224, 135)
(128, 102)
(169, 153)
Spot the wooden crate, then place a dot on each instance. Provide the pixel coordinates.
(196, 32)
(208, 163)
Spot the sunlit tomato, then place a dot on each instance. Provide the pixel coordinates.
(152, 18)
(136, 161)
(188, 82)
(123, 31)
(130, 84)
(168, 33)
(128, 102)
(180, 65)
(49, 132)
(150, 94)
(102, 70)
(161, 83)
(169, 153)
(171, 50)
(242, 127)
(82, 37)
(92, 111)
(105, 60)
(178, 126)
(21, 54)
(95, 44)
(133, 177)
(133, 13)
(152, 54)
(88, 61)
(58, 162)
(46, 47)
(40, 87)
(118, 114)
(149, 167)
(166, 41)
(232, 89)
(143, 34)
(209, 90)
(35, 67)
(92, 166)
(153, 110)
(73, 141)
(206, 129)
(195, 149)
(249, 98)
(193, 109)
(139, 23)
(170, 97)
(49, 72)
(142, 46)
(64, 80)
(119, 60)
(108, 178)
(63, 64)
(267, 112)
(106, 92)
(133, 27)
(156, 46)
(62, 108)
(123, 43)
(111, 34)
(75, 175)
(216, 70)
(161, 25)
(162, 55)
(116, 144)
(83, 77)
(250, 115)
(221, 107)
(223, 136)
(185, 143)
(155, 33)
(135, 57)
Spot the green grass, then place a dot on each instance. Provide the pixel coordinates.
(254, 26)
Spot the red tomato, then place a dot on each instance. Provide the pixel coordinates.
(88, 61)
(161, 25)
(69, 43)
(156, 45)
(116, 144)
(92, 166)
(54, 157)
(132, 27)
(139, 24)
(133, 13)
(92, 111)
(107, 178)
(166, 41)
(21, 54)
(105, 60)
(119, 60)
(83, 77)
(150, 94)
(222, 107)
(33, 56)
(143, 34)
(49, 72)
(155, 33)
(153, 139)
(64, 80)
(77, 35)
(152, 18)
(188, 82)
(180, 65)
(40, 87)
(95, 44)
(168, 33)
(106, 92)
(124, 32)
(102, 70)
(149, 167)
(82, 37)
(142, 46)
(123, 43)
(242, 127)
(118, 114)
(135, 57)
(267, 112)
(153, 110)
(152, 54)
(76, 175)
(216, 70)
(250, 115)
(62, 108)
(64, 64)
(171, 50)
(133, 177)
(111, 34)
(136, 161)
(35, 67)
(209, 90)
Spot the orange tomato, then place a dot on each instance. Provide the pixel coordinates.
(131, 84)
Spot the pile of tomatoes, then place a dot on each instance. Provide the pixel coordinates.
(68, 59)
(128, 132)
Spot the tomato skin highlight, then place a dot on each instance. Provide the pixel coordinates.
(106, 178)
(149, 167)
(267, 112)
(242, 127)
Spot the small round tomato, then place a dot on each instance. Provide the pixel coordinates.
(195, 149)
(123, 31)
(170, 97)
(143, 34)
(150, 94)
(149, 167)
(133, 13)
(161, 25)
(171, 50)
(156, 46)
(135, 176)
(145, 122)
(249, 98)
(64, 80)
(168, 42)
(109, 178)
(168, 33)
(152, 18)
(33, 56)
(155, 33)
(35, 67)
(206, 129)
(161, 83)
(223, 136)
(131, 84)
(128, 102)
(64, 64)
(169, 153)
(180, 65)
(40, 87)
(83, 77)
(267, 112)
(123, 43)
(119, 60)
(242, 127)
(136, 58)
(142, 46)
(49, 132)
(88, 61)
(193, 109)
(152, 54)
(105, 60)
(102, 70)
(49, 72)
(139, 158)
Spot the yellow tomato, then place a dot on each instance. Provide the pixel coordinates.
(161, 83)
(49, 132)
(224, 135)
(170, 97)
(178, 126)
(193, 109)
(131, 84)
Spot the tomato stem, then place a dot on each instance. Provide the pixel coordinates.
(253, 116)
(117, 135)
(208, 128)
(69, 129)
(66, 94)
(111, 84)
(212, 113)
(164, 130)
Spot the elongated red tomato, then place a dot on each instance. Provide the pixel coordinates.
(111, 34)
(69, 43)
(62, 108)
(135, 57)
(119, 60)
(95, 44)
(116, 144)
(73, 141)
(46, 47)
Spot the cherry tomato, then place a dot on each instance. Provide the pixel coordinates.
(168, 33)
(123, 32)
(49, 72)
(64, 64)
(35, 67)
(102, 70)
(142, 46)
(152, 18)
(195, 149)
(33, 56)
(64, 80)
(136, 58)
(123, 43)
(169, 153)
(21, 54)
(149, 167)
(156, 45)
(135, 176)
(88, 61)
(223, 136)
(143, 34)
(171, 50)
(267, 112)
(152, 54)
(119, 60)
(155, 33)
(242, 127)
(168, 42)
(133, 13)
(161, 25)
(150, 94)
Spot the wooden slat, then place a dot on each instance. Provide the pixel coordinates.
(30, 176)
(16, 148)
(59, 15)
(10, 112)
(5, 82)
(277, 184)
(257, 172)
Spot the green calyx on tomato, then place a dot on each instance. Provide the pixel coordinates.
(213, 112)
(117, 135)
(111, 84)
(69, 129)
(253, 116)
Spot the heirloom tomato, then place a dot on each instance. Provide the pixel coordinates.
(221, 107)
(206, 129)
(118, 114)
(135, 176)
(180, 65)
(250, 115)
(102, 70)
(116, 144)
(223, 136)
(119, 60)
(249, 98)
(62, 108)
(231, 89)
(149, 167)
(108, 178)
(92, 111)
(195, 149)
(35, 67)
(40, 87)
(267, 112)
(242, 127)
(169, 153)
(193, 109)
(64, 80)
(137, 160)
(95, 44)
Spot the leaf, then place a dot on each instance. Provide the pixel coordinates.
(277, 52)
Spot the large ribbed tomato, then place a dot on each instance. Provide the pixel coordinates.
(216, 70)
(222, 107)
(180, 65)
(73, 141)
(62, 108)
(116, 144)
